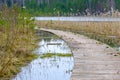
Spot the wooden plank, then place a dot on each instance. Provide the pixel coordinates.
(93, 60)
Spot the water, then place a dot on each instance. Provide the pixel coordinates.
(53, 68)
(78, 18)
(118, 48)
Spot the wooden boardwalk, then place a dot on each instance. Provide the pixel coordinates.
(92, 59)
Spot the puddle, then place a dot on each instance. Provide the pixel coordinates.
(118, 48)
(49, 68)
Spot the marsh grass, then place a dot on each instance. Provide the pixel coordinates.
(49, 55)
(107, 32)
(17, 41)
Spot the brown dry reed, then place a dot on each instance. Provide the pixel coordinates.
(17, 41)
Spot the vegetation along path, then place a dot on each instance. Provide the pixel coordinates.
(93, 60)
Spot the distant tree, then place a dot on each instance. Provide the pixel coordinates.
(11, 2)
(75, 7)
(111, 4)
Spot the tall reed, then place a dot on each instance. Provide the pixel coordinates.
(17, 40)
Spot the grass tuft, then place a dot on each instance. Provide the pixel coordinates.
(49, 55)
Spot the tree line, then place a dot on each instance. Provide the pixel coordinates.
(66, 7)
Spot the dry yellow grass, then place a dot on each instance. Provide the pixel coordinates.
(17, 41)
(107, 32)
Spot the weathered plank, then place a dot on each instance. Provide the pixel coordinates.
(93, 60)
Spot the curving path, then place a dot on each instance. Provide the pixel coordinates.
(93, 60)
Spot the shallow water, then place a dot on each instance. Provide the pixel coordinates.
(78, 18)
(118, 48)
(53, 68)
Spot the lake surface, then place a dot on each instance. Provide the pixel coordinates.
(78, 18)
(49, 68)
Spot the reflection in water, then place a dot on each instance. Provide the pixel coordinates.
(118, 48)
(58, 68)
(54, 68)
(45, 48)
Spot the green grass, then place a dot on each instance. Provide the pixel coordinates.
(49, 55)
